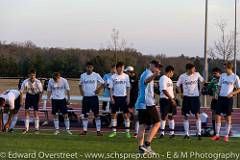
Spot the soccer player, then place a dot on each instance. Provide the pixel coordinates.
(106, 78)
(133, 96)
(167, 101)
(58, 87)
(190, 82)
(145, 105)
(227, 83)
(119, 85)
(10, 103)
(33, 88)
(90, 85)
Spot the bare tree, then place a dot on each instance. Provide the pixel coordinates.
(224, 47)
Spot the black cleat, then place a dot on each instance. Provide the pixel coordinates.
(171, 136)
(83, 133)
(199, 137)
(10, 130)
(186, 137)
(161, 136)
(99, 133)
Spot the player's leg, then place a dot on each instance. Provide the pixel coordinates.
(64, 111)
(213, 108)
(228, 127)
(125, 110)
(114, 109)
(186, 113)
(36, 121)
(135, 114)
(85, 112)
(27, 119)
(171, 122)
(195, 109)
(55, 111)
(218, 127)
(95, 109)
(140, 137)
(14, 121)
(164, 107)
(198, 125)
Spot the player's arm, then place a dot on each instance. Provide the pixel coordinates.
(179, 84)
(41, 92)
(235, 92)
(151, 78)
(22, 89)
(67, 91)
(100, 84)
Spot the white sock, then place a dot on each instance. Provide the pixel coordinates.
(14, 121)
(171, 124)
(162, 126)
(199, 126)
(229, 126)
(218, 127)
(85, 124)
(67, 123)
(5, 118)
(36, 122)
(186, 127)
(136, 127)
(27, 123)
(127, 124)
(114, 125)
(98, 124)
(56, 123)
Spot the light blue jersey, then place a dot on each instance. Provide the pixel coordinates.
(106, 78)
(146, 91)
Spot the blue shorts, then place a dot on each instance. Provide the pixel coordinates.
(59, 105)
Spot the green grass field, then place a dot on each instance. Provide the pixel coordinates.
(48, 144)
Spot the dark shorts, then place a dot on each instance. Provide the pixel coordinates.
(16, 107)
(90, 104)
(59, 105)
(32, 101)
(214, 104)
(191, 105)
(120, 105)
(166, 108)
(133, 99)
(224, 106)
(148, 116)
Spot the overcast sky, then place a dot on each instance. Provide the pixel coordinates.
(171, 27)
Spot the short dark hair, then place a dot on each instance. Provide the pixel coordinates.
(113, 66)
(229, 65)
(56, 75)
(119, 64)
(216, 69)
(32, 71)
(169, 69)
(2, 100)
(189, 66)
(156, 64)
(89, 64)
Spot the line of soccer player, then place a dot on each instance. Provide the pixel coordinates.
(128, 95)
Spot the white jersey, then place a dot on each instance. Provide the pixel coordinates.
(31, 87)
(10, 96)
(58, 89)
(227, 84)
(165, 83)
(190, 84)
(119, 84)
(89, 83)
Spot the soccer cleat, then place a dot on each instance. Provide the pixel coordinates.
(56, 132)
(215, 138)
(99, 133)
(135, 135)
(186, 137)
(171, 136)
(36, 131)
(161, 136)
(128, 135)
(142, 150)
(10, 130)
(199, 137)
(148, 150)
(45, 123)
(83, 133)
(112, 135)
(68, 132)
(25, 131)
(226, 139)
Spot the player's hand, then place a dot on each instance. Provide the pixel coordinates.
(174, 103)
(97, 91)
(112, 101)
(230, 95)
(128, 101)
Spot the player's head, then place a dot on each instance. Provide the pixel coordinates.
(56, 76)
(113, 69)
(155, 66)
(229, 68)
(32, 74)
(216, 72)
(169, 70)
(120, 67)
(190, 68)
(2, 102)
(130, 71)
(89, 67)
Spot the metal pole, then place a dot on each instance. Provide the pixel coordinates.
(205, 48)
(235, 39)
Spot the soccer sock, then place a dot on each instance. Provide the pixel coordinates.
(114, 125)
(136, 127)
(5, 118)
(214, 126)
(127, 124)
(199, 126)
(27, 123)
(171, 124)
(36, 122)
(218, 127)
(98, 124)
(229, 126)
(14, 121)
(85, 124)
(56, 123)
(67, 123)
(186, 127)
(163, 124)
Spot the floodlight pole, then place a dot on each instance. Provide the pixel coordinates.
(235, 39)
